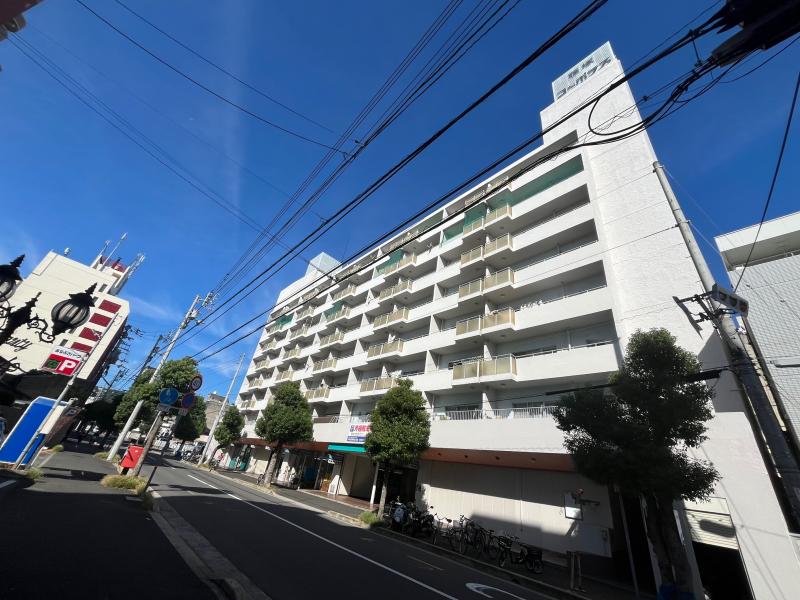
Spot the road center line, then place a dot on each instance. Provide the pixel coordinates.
(332, 543)
(5, 483)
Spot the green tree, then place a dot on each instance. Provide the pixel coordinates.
(229, 428)
(191, 426)
(285, 420)
(400, 431)
(638, 437)
(174, 373)
(101, 412)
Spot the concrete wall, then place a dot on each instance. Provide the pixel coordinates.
(526, 503)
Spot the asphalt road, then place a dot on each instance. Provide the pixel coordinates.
(292, 553)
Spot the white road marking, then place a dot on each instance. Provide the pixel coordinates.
(480, 588)
(332, 543)
(5, 483)
(425, 563)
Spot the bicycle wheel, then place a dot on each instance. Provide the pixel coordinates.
(463, 542)
(502, 557)
(434, 534)
(492, 547)
(478, 542)
(455, 539)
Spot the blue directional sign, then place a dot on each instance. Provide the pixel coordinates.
(187, 400)
(168, 396)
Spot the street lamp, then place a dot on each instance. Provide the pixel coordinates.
(9, 278)
(66, 315)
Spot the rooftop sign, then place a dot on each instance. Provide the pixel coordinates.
(583, 70)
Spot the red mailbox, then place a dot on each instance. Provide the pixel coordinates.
(131, 457)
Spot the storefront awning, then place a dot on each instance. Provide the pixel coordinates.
(354, 448)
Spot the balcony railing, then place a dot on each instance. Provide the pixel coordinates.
(386, 348)
(535, 412)
(306, 312)
(392, 267)
(294, 352)
(261, 364)
(328, 363)
(502, 365)
(474, 226)
(500, 317)
(400, 286)
(344, 293)
(504, 241)
(391, 317)
(473, 287)
(503, 277)
(336, 336)
(469, 256)
(328, 418)
(472, 325)
(377, 383)
(283, 376)
(300, 332)
(316, 393)
(344, 311)
(497, 213)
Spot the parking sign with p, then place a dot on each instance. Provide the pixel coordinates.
(63, 361)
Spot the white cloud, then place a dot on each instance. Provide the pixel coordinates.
(157, 311)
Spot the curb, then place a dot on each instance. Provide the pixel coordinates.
(534, 584)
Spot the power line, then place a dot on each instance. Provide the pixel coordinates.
(204, 87)
(221, 69)
(772, 183)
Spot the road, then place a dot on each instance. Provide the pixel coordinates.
(292, 553)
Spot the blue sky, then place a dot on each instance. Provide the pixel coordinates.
(71, 180)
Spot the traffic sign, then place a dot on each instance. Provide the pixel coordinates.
(187, 401)
(168, 395)
(196, 383)
(63, 361)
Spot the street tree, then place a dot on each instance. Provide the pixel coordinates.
(400, 431)
(285, 420)
(191, 425)
(229, 429)
(174, 373)
(638, 436)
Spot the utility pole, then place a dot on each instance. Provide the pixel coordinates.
(120, 373)
(138, 407)
(190, 316)
(221, 412)
(740, 363)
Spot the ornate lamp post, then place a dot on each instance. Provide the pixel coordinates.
(66, 315)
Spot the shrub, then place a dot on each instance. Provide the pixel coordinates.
(123, 482)
(33, 474)
(103, 454)
(370, 518)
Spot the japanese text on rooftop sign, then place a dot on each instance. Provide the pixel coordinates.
(583, 70)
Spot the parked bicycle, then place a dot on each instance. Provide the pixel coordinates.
(479, 540)
(530, 556)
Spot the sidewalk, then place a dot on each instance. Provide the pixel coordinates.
(555, 577)
(67, 537)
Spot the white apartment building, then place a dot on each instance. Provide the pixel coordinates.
(54, 279)
(771, 283)
(533, 290)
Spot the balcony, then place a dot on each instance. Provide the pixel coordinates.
(293, 353)
(511, 429)
(283, 376)
(468, 326)
(401, 314)
(471, 256)
(398, 265)
(349, 290)
(473, 227)
(305, 313)
(303, 331)
(496, 214)
(493, 369)
(470, 289)
(317, 393)
(262, 364)
(401, 286)
(377, 384)
(395, 347)
(336, 336)
(499, 278)
(324, 365)
(342, 313)
(484, 323)
(498, 245)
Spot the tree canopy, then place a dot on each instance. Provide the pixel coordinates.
(230, 427)
(638, 436)
(400, 426)
(192, 424)
(174, 373)
(101, 412)
(287, 418)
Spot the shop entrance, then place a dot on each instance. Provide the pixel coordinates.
(402, 483)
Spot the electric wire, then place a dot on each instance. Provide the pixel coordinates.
(772, 182)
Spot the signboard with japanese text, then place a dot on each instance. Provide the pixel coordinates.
(358, 432)
(63, 361)
(583, 70)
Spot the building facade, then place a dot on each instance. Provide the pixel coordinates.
(771, 284)
(494, 305)
(54, 279)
